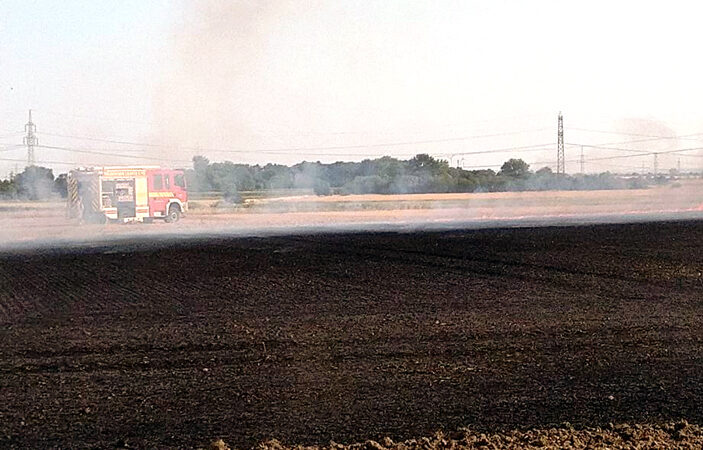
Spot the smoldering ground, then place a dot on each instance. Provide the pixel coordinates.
(349, 337)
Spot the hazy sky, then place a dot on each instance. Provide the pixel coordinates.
(278, 81)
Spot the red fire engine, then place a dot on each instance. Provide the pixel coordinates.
(127, 194)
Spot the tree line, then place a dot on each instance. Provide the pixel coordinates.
(34, 183)
(386, 175)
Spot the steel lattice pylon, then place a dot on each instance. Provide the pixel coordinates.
(560, 146)
(30, 140)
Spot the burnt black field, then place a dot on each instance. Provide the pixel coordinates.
(351, 336)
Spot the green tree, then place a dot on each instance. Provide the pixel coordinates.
(425, 163)
(200, 177)
(8, 188)
(385, 175)
(35, 183)
(61, 185)
(274, 176)
(515, 168)
(227, 176)
(321, 187)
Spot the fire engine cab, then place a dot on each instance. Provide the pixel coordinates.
(126, 194)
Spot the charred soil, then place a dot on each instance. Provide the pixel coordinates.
(351, 337)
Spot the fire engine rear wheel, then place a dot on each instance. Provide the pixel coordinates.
(174, 214)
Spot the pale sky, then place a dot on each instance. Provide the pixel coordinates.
(278, 81)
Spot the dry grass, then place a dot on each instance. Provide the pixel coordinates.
(664, 198)
(20, 206)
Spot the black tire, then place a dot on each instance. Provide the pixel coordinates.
(174, 214)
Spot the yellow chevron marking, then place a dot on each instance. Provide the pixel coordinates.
(161, 194)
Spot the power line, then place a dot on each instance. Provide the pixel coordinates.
(268, 133)
(636, 141)
(92, 152)
(16, 133)
(147, 123)
(382, 144)
(632, 150)
(649, 153)
(637, 152)
(589, 130)
(535, 147)
(609, 164)
(642, 152)
(691, 136)
(633, 134)
(40, 161)
(489, 166)
(304, 150)
(11, 147)
(540, 147)
(112, 141)
(299, 150)
(609, 158)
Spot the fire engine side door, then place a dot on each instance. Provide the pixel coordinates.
(158, 194)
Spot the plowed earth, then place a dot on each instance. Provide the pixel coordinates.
(350, 337)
